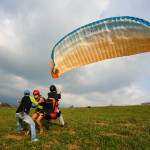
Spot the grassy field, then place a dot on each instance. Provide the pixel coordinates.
(112, 127)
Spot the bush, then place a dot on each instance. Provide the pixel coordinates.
(5, 105)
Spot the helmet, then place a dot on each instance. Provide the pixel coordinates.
(52, 88)
(36, 92)
(26, 92)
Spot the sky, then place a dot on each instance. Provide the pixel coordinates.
(30, 29)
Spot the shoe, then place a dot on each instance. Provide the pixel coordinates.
(35, 140)
(18, 132)
(65, 124)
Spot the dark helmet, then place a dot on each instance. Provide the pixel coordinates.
(26, 92)
(52, 88)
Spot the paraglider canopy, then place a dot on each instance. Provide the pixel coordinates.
(100, 40)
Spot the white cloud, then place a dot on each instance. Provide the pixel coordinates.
(29, 30)
(8, 37)
(132, 95)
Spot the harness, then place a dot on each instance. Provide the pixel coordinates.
(39, 113)
(51, 110)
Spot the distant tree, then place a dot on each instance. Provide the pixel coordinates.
(71, 106)
(110, 104)
(146, 103)
(5, 105)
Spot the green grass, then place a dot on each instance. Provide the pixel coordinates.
(112, 127)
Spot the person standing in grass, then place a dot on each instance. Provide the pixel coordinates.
(22, 113)
(38, 112)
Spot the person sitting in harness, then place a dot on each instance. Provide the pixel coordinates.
(51, 111)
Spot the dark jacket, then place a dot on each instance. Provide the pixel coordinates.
(26, 103)
(54, 95)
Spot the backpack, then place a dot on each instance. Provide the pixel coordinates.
(51, 109)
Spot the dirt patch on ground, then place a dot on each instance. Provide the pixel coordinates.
(57, 131)
(101, 123)
(131, 124)
(111, 134)
(128, 124)
(48, 145)
(6, 146)
(50, 142)
(143, 126)
(72, 132)
(17, 137)
(74, 146)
